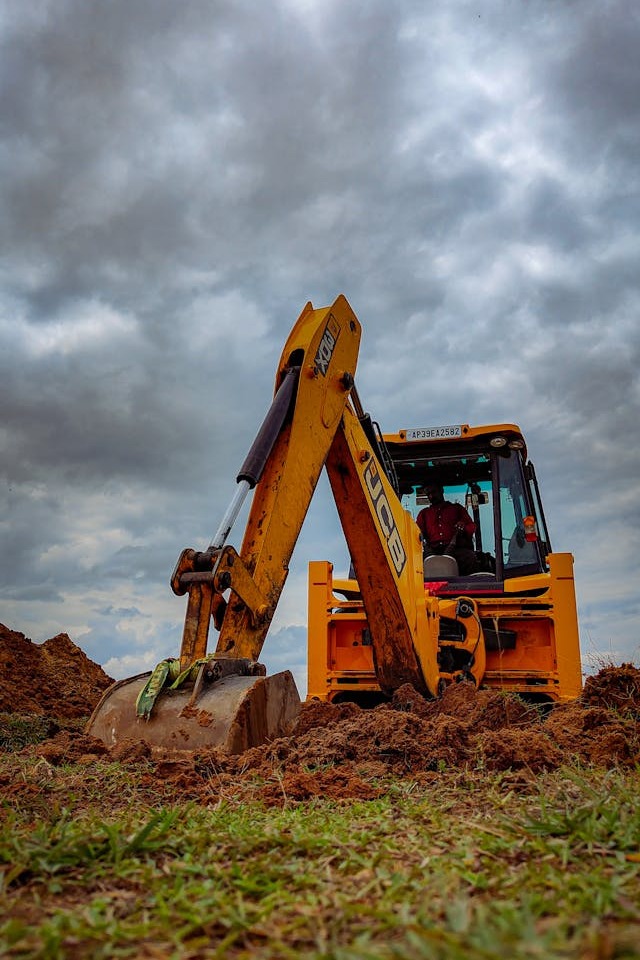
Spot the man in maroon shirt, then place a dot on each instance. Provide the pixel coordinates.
(447, 528)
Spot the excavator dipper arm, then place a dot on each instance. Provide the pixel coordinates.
(386, 551)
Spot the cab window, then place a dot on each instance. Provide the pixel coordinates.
(517, 552)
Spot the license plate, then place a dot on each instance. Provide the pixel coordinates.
(434, 433)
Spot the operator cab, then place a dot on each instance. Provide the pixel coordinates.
(485, 469)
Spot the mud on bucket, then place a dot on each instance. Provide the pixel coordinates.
(232, 714)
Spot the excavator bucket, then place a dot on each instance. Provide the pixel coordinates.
(232, 714)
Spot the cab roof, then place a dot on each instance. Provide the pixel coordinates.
(458, 435)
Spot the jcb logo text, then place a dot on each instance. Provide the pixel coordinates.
(373, 481)
(327, 345)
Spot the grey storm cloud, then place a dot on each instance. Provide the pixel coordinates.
(179, 179)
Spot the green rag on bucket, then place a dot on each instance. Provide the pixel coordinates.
(165, 671)
(166, 674)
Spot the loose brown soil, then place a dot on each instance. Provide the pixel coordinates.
(54, 679)
(334, 751)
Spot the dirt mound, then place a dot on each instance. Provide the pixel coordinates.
(482, 728)
(337, 751)
(54, 678)
(342, 751)
(480, 709)
(616, 688)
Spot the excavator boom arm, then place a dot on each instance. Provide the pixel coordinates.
(324, 345)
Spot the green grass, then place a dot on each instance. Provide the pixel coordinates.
(17, 730)
(466, 866)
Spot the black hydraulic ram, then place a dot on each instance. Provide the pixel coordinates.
(255, 461)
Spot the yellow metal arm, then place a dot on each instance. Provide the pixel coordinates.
(324, 344)
(385, 547)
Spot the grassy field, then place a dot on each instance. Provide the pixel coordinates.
(459, 864)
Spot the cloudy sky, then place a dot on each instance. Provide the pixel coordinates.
(178, 179)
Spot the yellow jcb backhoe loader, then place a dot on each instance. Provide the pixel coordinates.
(406, 614)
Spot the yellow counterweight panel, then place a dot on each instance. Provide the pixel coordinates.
(565, 624)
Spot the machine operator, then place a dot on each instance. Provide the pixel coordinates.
(447, 528)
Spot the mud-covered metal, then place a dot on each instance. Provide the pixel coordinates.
(231, 714)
